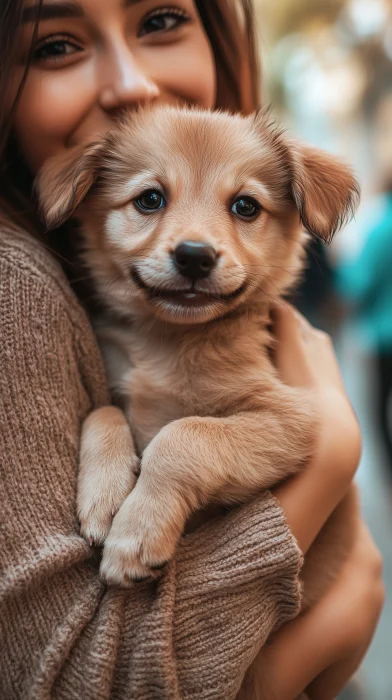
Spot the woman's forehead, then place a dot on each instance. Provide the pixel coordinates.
(55, 9)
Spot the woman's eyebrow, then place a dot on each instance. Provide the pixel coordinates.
(33, 13)
(57, 10)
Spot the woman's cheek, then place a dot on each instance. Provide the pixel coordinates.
(184, 72)
(51, 108)
(198, 72)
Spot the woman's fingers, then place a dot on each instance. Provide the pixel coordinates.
(291, 333)
(304, 355)
(287, 321)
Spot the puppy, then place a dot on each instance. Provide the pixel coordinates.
(193, 223)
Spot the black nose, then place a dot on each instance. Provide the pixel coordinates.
(194, 260)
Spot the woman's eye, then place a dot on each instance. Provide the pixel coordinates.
(150, 201)
(55, 49)
(163, 21)
(246, 208)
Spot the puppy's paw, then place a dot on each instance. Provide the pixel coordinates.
(141, 541)
(99, 503)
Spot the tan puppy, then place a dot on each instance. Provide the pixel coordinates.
(193, 222)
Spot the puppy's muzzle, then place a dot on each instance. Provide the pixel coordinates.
(194, 260)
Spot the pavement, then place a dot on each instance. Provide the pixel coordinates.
(375, 482)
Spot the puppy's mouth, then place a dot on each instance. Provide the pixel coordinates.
(184, 297)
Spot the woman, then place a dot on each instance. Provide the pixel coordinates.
(68, 70)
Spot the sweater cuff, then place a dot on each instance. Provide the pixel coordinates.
(237, 582)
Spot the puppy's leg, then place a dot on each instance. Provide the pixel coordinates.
(108, 471)
(193, 461)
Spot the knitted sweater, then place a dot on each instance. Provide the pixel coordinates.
(64, 633)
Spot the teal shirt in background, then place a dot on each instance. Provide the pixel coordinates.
(365, 282)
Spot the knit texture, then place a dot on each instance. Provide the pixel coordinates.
(64, 634)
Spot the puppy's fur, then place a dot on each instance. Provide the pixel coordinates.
(206, 413)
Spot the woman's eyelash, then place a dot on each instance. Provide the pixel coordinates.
(173, 12)
(53, 39)
(177, 11)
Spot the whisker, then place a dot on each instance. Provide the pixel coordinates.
(276, 300)
(314, 257)
(277, 267)
(86, 278)
(55, 252)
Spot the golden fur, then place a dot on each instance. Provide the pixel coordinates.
(204, 409)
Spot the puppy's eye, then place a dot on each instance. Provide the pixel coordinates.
(150, 201)
(246, 208)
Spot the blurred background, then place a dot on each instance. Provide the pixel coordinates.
(328, 74)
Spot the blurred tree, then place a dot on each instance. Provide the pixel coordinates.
(346, 25)
(288, 16)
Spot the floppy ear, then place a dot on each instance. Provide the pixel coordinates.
(325, 191)
(64, 181)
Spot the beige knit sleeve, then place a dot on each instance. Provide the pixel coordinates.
(49, 589)
(64, 635)
(233, 582)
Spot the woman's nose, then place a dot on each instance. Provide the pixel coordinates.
(123, 82)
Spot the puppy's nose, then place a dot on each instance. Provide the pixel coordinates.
(194, 260)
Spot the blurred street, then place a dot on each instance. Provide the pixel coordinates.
(375, 481)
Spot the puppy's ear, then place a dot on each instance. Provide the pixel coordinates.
(325, 191)
(64, 181)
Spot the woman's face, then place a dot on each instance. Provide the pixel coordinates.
(94, 58)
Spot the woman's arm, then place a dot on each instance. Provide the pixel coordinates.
(51, 377)
(305, 358)
(328, 642)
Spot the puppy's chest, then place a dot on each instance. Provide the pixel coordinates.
(163, 386)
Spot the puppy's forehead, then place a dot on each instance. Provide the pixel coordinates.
(204, 145)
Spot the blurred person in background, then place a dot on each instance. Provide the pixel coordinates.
(67, 71)
(314, 297)
(364, 279)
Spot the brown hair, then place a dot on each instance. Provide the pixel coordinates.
(229, 25)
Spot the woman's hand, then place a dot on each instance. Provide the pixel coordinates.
(328, 642)
(305, 358)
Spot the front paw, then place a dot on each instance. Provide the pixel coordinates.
(100, 499)
(142, 539)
